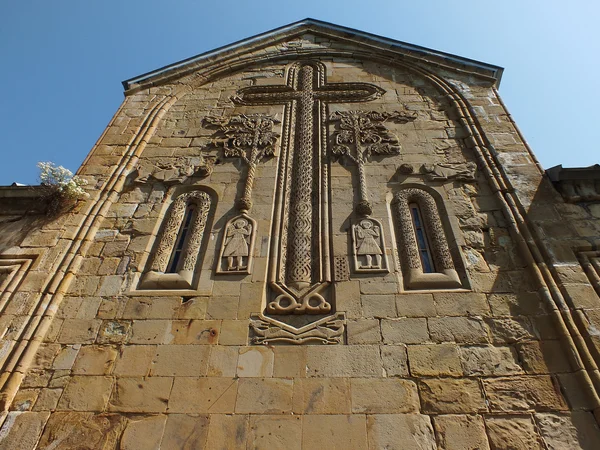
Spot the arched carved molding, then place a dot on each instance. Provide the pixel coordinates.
(444, 275)
(183, 278)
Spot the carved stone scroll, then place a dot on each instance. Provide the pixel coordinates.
(443, 172)
(300, 264)
(173, 171)
(329, 330)
(157, 278)
(445, 275)
(368, 246)
(237, 248)
(362, 134)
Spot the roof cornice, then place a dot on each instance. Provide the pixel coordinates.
(491, 71)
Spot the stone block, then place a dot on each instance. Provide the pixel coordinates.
(255, 362)
(434, 360)
(79, 331)
(343, 361)
(489, 360)
(227, 432)
(185, 432)
(383, 396)
(363, 331)
(24, 400)
(571, 387)
(512, 432)
(86, 393)
(141, 395)
(135, 360)
(95, 360)
(461, 304)
(197, 332)
(521, 304)
(289, 361)
(400, 432)
(180, 361)
(395, 360)
(143, 433)
(275, 432)
(47, 400)
(222, 361)
(451, 396)
(469, 330)
(322, 396)
(379, 306)
(509, 331)
(415, 305)
(264, 396)
(150, 332)
(234, 332)
(405, 331)
(334, 432)
(194, 308)
(203, 395)
(66, 357)
(523, 393)
(222, 307)
(113, 332)
(538, 357)
(565, 431)
(459, 432)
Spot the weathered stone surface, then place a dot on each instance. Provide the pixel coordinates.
(85, 431)
(448, 396)
(203, 395)
(289, 361)
(404, 331)
(400, 432)
(274, 432)
(574, 430)
(223, 361)
(180, 361)
(363, 331)
(461, 304)
(185, 432)
(510, 330)
(95, 360)
(459, 432)
(540, 357)
(395, 360)
(227, 431)
(469, 330)
(21, 430)
(141, 394)
(255, 362)
(334, 431)
(143, 433)
(434, 360)
(264, 396)
(415, 305)
(523, 393)
(343, 361)
(489, 360)
(512, 433)
(322, 396)
(135, 360)
(86, 393)
(383, 396)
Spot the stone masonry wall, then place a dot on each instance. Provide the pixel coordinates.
(481, 366)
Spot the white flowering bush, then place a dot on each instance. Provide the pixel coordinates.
(62, 180)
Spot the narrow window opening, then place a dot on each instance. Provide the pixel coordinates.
(181, 239)
(422, 241)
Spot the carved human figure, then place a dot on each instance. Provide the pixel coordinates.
(367, 236)
(236, 244)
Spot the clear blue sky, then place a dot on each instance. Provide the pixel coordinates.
(63, 61)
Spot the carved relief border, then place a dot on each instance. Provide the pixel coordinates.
(446, 275)
(328, 330)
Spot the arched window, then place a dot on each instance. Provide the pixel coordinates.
(422, 244)
(176, 256)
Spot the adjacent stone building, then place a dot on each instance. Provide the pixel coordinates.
(313, 238)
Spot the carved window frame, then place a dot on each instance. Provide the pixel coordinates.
(415, 278)
(187, 274)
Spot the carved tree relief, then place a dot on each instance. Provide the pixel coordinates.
(249, 137)
(362, 134)
(300, 264)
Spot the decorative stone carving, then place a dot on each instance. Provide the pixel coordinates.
(251, 138)
(328, 330)
(445, 275)
(368, 246)
(450, 171)
(173, 171)
(237, 248)
(300, 265)
(362, 134)
(406, 169)
(341, 271)
(157, 278)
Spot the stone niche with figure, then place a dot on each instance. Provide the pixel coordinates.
(313, 238)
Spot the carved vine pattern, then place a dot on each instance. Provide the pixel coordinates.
(433, 225)
(362, 134)
(169, 236)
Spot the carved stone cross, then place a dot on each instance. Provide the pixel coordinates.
(301, 248)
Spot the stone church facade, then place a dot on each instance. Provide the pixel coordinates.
(313, 238)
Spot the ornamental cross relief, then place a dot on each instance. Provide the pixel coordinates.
(299, 267)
